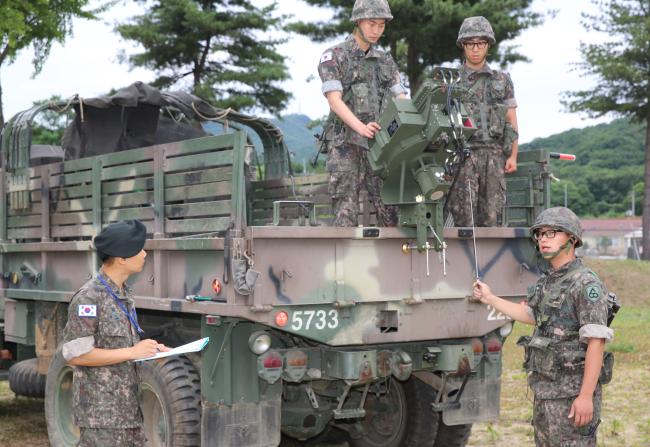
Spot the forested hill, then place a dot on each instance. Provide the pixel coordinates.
(299, 139)
(609, 164)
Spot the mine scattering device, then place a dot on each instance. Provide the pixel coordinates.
(418, 151)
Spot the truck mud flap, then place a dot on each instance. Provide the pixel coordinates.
(244, 424)
(480, 402)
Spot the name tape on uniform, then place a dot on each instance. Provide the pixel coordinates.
(87, 310)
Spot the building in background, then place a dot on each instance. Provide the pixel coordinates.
(611, 237)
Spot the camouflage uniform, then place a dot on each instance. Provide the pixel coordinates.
(106, 398)
(365, 80)
(487, 96)
(569, 305)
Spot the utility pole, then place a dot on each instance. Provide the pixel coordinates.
(565, 197)
(633, 204)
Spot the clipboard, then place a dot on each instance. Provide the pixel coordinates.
(194, 346)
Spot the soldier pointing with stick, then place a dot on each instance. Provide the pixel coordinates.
(569, 307)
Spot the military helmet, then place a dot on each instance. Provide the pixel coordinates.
(473, 27)
(371, 9)
(561, 218)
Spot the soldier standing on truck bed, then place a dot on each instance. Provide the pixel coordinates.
(570, 309)
(357, 81)
(489, 98)
(101, 338)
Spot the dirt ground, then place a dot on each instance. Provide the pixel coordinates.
(625, 419)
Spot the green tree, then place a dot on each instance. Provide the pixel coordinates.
(609, 163)
(604, 243)
(423, 32)
(579, 198)
(38, 23)
(621, 66)
(219, 48)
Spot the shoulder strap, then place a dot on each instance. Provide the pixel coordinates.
(479, 83)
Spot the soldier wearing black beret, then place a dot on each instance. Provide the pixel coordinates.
(101, 339)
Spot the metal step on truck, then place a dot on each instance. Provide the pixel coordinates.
(317, 334)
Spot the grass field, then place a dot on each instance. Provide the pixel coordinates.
(22, 420)
(625, 419)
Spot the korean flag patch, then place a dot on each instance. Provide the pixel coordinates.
(327, 56)
(87, 310)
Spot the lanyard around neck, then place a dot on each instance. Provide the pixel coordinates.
(132, 316)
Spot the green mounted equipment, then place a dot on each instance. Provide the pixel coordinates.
(418, 150)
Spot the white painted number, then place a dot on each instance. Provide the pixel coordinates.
(296, 321)
(320, 315)
(334, 319)
(302, 319)
(494, 315)
(310, 315)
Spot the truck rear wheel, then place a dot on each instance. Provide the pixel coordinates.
(402, 417)
(58, 404)
(452, 435)
(25, 380)
(171, 402)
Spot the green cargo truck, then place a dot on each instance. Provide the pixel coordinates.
(361, 335)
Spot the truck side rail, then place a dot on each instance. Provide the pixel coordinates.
(176, 189)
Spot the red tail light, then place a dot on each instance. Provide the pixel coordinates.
(493, 345)
(272, 360)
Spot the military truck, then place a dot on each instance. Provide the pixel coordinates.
(361, 335)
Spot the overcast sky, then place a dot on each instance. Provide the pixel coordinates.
(87, 64)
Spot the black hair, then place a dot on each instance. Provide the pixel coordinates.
(103, 257)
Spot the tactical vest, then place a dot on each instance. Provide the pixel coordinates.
(484, 99)
(554, 349)
(366, 91)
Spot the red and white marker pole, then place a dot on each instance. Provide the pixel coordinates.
(561, 156)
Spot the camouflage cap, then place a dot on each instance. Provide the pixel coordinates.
(371, 9)
(561, 218)
(122, 239)
(473, 27)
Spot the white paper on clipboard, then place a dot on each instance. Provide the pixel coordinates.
(194, 346)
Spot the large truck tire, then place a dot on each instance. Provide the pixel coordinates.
(330, 435)
(58, 404)
(400, 418)
(171, 402)
(24, 379)
(452, 435)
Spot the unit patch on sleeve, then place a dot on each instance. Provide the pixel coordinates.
(87, 310)
(593, 292)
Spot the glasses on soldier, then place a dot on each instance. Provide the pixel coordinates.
(481, 44)
(550, 234)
